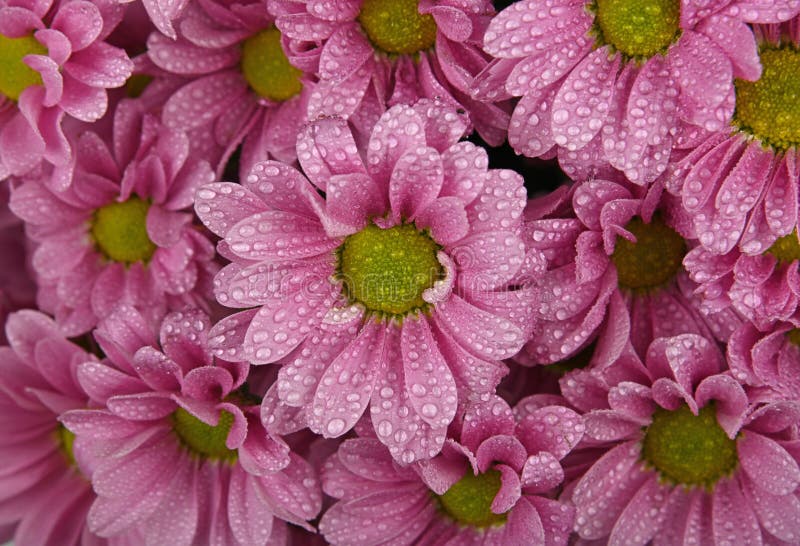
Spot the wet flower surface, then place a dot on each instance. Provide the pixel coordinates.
(399, 272)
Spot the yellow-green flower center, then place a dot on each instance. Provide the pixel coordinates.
(15, 75)
(387, 270)
(120, 231)
(793, 336)
(203, 440)
(266, 68)
(653, 260)
(689, 449)
(397, 26)
(136, 85)
(786, 249)
(469, 500)
(769, 108)
(638, 29)
(65, 440)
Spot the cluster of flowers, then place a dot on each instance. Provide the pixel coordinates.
(262, 283)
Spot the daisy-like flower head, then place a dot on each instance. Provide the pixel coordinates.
(693, 458)
(619, 81)
(117, 234)
(768, 360)
(177, 449)
(373, 54)
(614, 273)
(740, 188)
(53, 60)
(241, 85)
(392, 290)
(43, 488)
(492, 484)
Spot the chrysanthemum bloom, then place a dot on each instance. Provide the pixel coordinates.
(740, 187)
(620, 81)
(53, 61)
(770, 360)
(178, 452)
(41, 485)
(241, 85)
(492, 484)
(693, 458)
(618, 258)
(373, 54)
(411, 253)
(117, 234)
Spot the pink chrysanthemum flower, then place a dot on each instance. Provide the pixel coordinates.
(618, 258)
(740, 187)
(53, 61)
(619, 82)
(693, 458)
(492, 484)
(41, 484)
(17, 287)
(117, 234)
(372, 54)
(241, 85)
(178, 452)
(410, 252)
(769, 360)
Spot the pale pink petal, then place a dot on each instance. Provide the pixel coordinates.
(768, 464)
(732, 518)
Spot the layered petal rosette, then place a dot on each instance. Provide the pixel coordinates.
(620, 83)
(373, 54)
(692, 457)
(393, 290)
(613, 273)
(240, 85)
(493, 483)
(53, 61)
(43, 488)
(119, 233)
(176, 447)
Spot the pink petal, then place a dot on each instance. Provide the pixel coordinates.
(353, 199)
(199, 102)
(733, 519)
(488, 260)
(182, 57)
(226, 337)
(541, 473)
(100, 65)
(147, 406)
(415, 182)
(157, 370)
(80, 21)
(344, 52)
(102, 382)
(482, 333)
(387, 145)
(529, 131)
(736, 39)
(326, 148)
(555, 429)
(176, 519)
(346, 386)
(446, 218)
(251, 520)
(768, 464)
(222, 205)
(82, 101)
(500, 204)
(276, 236)
(778, 514)
(428, 379)
(583, 100)
(606, 488)
(283, 188)
(644, 514)
(465, 168)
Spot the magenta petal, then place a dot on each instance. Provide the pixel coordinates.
(610, 426)
(165, 227)
(524, 525)
(346, 386)
(176, 518)
(157, 370)
(222, 205)
(226, 337)
(99, 424)
(778, 514)
(344, 53)
(465, 167)
(501, 449)
(386, 145)
(275, 235)
(282, 187)
(446, 218)
(768, 464)
(738, 42)
(731, 401)
(510, 490)
(369, 459)
(326, 148)
(100, 65)
(102, 382)
(488, 260)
